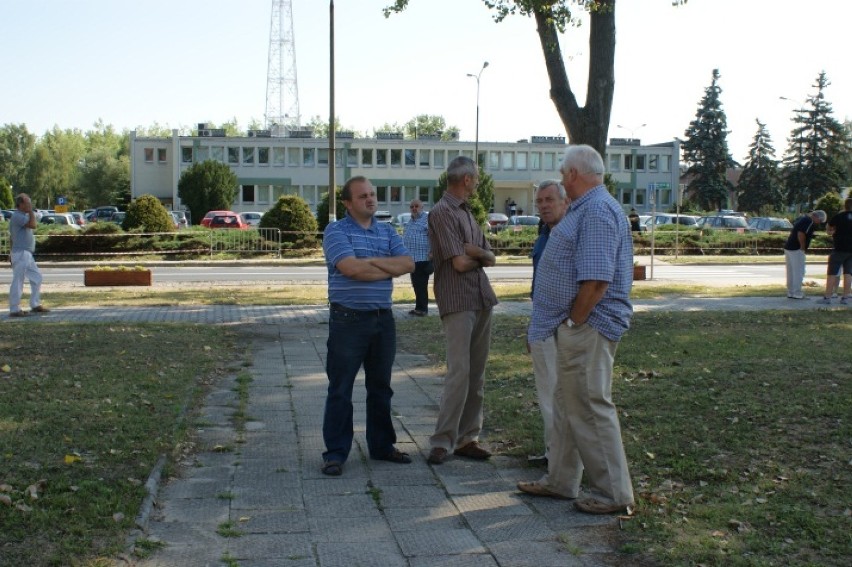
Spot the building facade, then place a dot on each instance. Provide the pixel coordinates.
(268, 167)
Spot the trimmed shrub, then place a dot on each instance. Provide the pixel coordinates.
(322, 209)
(148, 214)
(292, 216)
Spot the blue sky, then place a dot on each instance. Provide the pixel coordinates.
(177, 63)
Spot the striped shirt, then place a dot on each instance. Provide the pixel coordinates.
(416, 237)
(346, 238)
(451, 226)
(592, 242)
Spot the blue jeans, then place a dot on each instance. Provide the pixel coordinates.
(356, 338)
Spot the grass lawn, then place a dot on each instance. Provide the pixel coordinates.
(736, 426)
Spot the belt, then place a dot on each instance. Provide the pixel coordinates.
(344, 309)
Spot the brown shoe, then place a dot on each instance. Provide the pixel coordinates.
(537, 489)
(40, 309)
(437, 456)
(595, 506)
(472, 451)
(18, 314)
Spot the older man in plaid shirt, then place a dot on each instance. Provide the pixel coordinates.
(416, 239)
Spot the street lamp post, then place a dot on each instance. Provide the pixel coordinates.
(476, 143)
(631, 130)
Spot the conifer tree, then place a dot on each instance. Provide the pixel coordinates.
(760, 186)
(818, 150)
(705, 150)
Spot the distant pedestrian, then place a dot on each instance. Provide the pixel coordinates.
(551, 202)
(363, 256)
(22, 223)
(840, 260)
(633, 217)
(794, 251)
(416, 238)
(582, 299)
(465, 300)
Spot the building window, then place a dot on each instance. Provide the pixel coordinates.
(186, 154)
(653, 162)
(248, 193)
(665, 196)
(293, 155)
(640, 162)
(493, 160)
(628, 162)
(522, 161)
(309, 194)
(423, 195)
(308, 157)
(322, 157)
(248, 156)
(615, 162)
(508, 160)
(339, 155)
(396, 194)
(367, 157)
(667, 163)
(149, 155)
(234, 156)
(440, 160)
(203, 153)
(410, 159)
(263, 156)
(425, 158)
(279, 156)
(218, 153)
(535, 161)
(381, 194)
(640, 197)
(548, 161)
(382, 158)
(351, 157)
(625, 196)
(161, 155)
(467, 153)
(396, 158)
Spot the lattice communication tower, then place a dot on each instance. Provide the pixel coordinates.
(282, 88)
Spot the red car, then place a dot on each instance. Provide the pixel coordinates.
(206, 220)
(228, 220)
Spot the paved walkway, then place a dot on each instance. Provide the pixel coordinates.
(268, 486)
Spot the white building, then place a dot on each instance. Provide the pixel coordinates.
(400, 169)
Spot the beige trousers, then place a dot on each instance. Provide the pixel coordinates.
(543, 354)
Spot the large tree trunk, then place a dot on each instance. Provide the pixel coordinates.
(587, 124)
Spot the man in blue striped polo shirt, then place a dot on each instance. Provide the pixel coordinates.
(363, 256)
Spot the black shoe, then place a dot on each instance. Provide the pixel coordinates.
(417, 313)
(537, 460)
(395, 456)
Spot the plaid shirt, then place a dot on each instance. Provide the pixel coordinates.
(592, 242)
(416, 237)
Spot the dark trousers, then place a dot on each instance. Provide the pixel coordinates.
(420, 283)
(356, 338)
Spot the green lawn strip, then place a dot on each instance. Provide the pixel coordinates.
(736, 427)
(86, 412)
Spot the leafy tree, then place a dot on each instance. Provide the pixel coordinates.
(322, 209)
(817, 157)
(760, 182)
(292, 216)
(7, 200)
(207, 186)
(429, 125)
(831, 203)
(320, 127)
(54, 166)
(149, 214)
(387, 127)
(584, 124)
(706, 150)
(105, 178)
(16, 147)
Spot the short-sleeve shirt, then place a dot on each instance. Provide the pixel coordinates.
(416, 237)
(23, 237)
(591, 242)
(842, 223)
(346, 238)
(804, 225)
(451, 226)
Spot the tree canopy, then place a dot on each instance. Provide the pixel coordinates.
(207, 186)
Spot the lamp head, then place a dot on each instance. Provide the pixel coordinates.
(484, 65)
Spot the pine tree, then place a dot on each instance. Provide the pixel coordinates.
(816, 158)
(760, 186)
(706, 150)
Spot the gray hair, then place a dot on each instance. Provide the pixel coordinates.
(585, 159)
(820, 215)
(560, 190)
(460, 167)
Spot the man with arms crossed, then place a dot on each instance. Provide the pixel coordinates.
(363, 257)
(581, 298)
(465, 299)
(416, 239)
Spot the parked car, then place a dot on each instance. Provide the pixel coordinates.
(252, 218)
(766, 224)
(79, 218)
(210, 214)
(7, 214)
(59, 219)
(117, 217)
(181, 220)
(384, 216)
(644, 220)
(519, 222)
(497, 222)
(104, 213)
(690, 221)
(228, 220)
(724, 222)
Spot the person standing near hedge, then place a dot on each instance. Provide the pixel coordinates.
(415, 235)
(794, 251)
(22, 223)
(840, 260)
